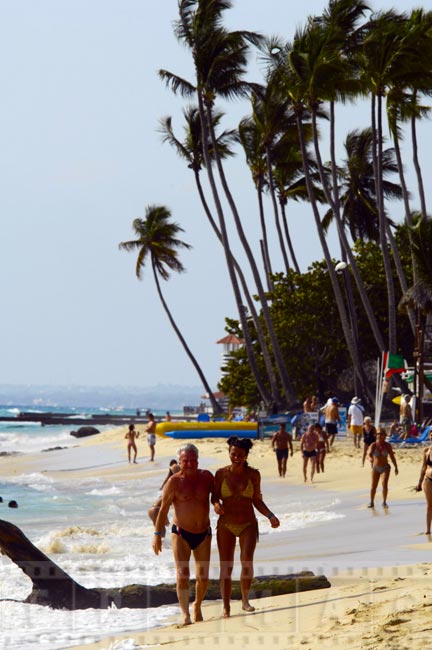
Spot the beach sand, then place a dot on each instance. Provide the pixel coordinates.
(378, 562)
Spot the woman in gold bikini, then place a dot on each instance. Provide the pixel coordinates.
(237, 492)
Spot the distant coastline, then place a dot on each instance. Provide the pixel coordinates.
(158, 397)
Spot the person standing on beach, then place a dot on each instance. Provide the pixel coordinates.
(131, 436)
(369, 436)
(406, 416)
(355, 420)
(153, 512)
(188, 491)
(237, 492)
(323, 447)
(425, 483)
(332, 419)
(379, 452)
(281, 441)
(309, 443)
(151, 435)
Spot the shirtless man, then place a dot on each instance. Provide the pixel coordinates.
(332, 419)
(131, 437)
(309, 447)
(188, 491)
(406, 416)
(151, 435)
(280, 443)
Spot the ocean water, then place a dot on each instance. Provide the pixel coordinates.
(100, 535)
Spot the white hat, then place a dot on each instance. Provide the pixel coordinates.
(355, 400)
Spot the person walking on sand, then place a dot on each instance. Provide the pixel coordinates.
(369, 436)
(309, 447)
(131, 436)
(379, 452)
(425, 483)
(281, 441)
(332, 418)
(355, 420)
(322, 449)
(151, 435)
(237, 492)
(188, 491)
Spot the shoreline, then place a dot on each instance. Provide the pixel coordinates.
(377, 562)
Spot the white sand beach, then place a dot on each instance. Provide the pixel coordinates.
(378, 561)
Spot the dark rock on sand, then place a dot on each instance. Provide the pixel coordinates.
(83, 432)
(13, 504)
(53, 587)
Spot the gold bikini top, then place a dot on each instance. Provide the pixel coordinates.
(248, 492)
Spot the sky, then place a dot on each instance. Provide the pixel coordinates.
(80, 158)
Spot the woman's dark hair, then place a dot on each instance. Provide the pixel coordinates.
(243, 443)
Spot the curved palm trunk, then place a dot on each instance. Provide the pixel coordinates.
(408, 220)
(265, 247)
(225, 239)
(286, 382)
(215, 404)
(276, 211)
(334, 204)
(391, 301)
(418, 168)
(288, 236)
(352, 349)
(257, 323)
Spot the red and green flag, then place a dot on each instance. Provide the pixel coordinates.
(393, 364)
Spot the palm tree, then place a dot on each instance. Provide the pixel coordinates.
(419, 298)
(220, 59)
(357, 186)
(191, 150)
(157, 239)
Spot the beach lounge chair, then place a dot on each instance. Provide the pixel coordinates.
(413, 440)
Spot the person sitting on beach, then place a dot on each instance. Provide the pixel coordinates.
(332, 419)
(131, 436)
(153, 512)
(369, 436)
(237, 492)
(379, 452)
(355, 420)
(151, 435)
(425, 483)
(322, 449)
(281, 441)
(188, 491)
(309, 448)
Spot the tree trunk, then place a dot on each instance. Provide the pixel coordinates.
(54, 588)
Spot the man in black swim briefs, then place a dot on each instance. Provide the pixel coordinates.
(188, 491)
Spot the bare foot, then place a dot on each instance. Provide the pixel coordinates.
(197, 613)
(186, 621)
(226, 612)
(247, 607)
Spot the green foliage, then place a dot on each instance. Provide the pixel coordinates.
(307, 324)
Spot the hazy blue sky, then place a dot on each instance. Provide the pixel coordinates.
(80, 158)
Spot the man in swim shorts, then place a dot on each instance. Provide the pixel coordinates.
(281, 441)
(188, 491)
(151, 435)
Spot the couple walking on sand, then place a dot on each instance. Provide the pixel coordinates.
(234, 491)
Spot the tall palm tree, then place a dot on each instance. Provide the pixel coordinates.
(419, 298)
(158, 239)
(357, 188)
(190, 149)
(220, 59)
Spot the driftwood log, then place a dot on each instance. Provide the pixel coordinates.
(55, 588)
